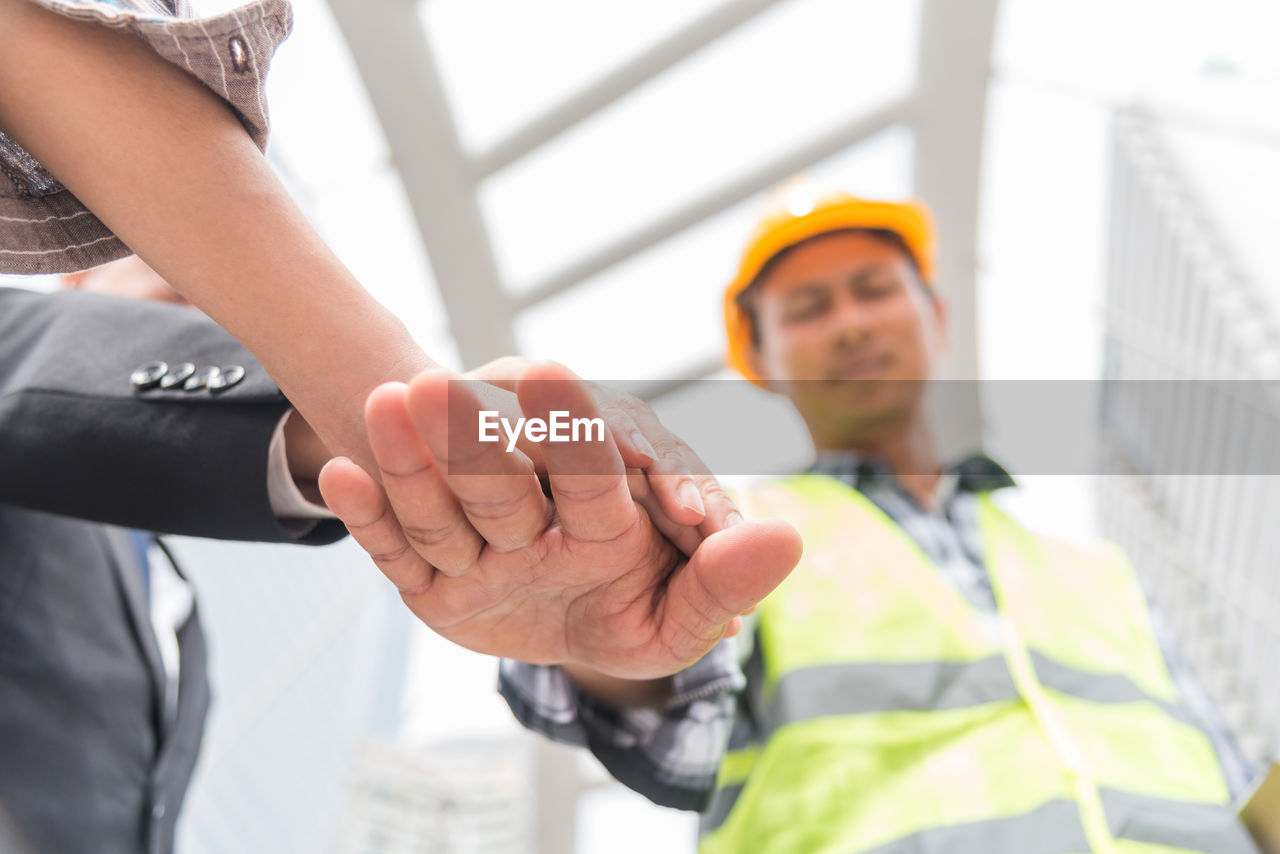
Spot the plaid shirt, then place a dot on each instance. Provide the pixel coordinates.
(44, 228)
(671, 755)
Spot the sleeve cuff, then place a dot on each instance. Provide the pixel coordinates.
(287, 501)
(670, 755)
(543, 699)
(710, 677)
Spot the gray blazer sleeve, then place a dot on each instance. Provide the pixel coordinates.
(78, 440)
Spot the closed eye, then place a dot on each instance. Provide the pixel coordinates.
(878, 288)
(806, 307)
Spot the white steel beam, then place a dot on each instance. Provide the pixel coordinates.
(949, 113)
(692, 212)
(614, 85)
(391, 50)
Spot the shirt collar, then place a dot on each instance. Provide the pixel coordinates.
(974, 473)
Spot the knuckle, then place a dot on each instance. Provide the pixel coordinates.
(575, 490)
(455, 566)
(390, 554)
(713, 489)
(492, 510)
(708, 605)
(498, 508)
(423, 467)
(637, 408)
(381, 524)
(429, 536)
(410, 592)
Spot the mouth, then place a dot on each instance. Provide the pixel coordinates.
(859, 369)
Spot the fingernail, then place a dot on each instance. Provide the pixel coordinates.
(691, 498)
(642, 446)
(734, 518)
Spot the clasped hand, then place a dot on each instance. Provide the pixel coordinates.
(635, 565)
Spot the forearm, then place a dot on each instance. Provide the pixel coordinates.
(165, 164)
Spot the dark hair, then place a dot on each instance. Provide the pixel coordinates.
(747, 298)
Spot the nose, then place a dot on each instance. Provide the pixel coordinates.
(849, 322)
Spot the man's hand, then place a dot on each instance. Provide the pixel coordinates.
(481, 556)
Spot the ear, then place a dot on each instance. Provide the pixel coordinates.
(754, 361)
(939, 309)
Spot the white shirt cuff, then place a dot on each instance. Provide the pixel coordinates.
(287, 501)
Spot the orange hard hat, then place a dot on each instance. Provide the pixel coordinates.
(800, 214)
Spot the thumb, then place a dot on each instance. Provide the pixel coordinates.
(729, 573)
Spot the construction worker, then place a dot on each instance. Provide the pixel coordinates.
(933, 677)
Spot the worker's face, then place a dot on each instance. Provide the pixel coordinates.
(128, 277)
(847, 332)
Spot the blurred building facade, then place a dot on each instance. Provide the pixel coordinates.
(465, 796)
(1190, 406)
(307, 653)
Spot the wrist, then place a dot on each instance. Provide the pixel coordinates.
(305, 454)
(329, 389)
(617, 691)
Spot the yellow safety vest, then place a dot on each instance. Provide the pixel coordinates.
(899, 719)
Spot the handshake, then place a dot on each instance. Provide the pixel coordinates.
(610, 550)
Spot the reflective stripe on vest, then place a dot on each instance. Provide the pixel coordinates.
(1055, 828)
(851, 689)
(896, 717)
